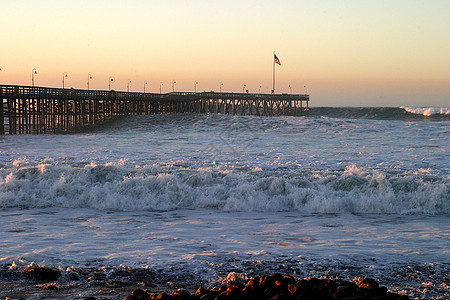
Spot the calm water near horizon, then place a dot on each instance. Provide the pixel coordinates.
(342, 193)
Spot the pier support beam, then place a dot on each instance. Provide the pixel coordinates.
(2, 118)
(25, 109)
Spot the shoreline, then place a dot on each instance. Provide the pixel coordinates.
(40, 282)
(273, 286)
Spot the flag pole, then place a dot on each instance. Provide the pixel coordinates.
(273, 73)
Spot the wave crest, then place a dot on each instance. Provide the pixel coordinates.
(427, 111)
(130, 188)
(384, 113)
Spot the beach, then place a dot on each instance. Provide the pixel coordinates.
(175, 201)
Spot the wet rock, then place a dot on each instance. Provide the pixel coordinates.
(280, 297)
(41, 273)
(163, 296)
(279, 287)
(181, 295)
(343, 292)
(209, 295)
(50, 287)
(201, 291)
(289, 279)
(222, 289)
(368, 283)
(140, 294)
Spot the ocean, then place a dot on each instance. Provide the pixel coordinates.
(183, 200)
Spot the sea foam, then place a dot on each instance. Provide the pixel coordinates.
(427, 111)
(128, 187)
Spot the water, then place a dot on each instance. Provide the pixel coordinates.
(342, 193)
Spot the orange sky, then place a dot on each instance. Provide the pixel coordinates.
(358, 53)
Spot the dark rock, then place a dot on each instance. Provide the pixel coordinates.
(343, 292)
(280, 297)
(163, 296)
(252, 290)
(277, 276)
(331, 286)
(279, 287)
(201, 291)
(266, 282)
(355, 298)
(232, 291)
(223, 296)
(141, 294)
(181, 295)
(293, 290)
(50, 287)
(289, 279)
(41, 273)
(253, 281)
(368, 283)
(210, 295)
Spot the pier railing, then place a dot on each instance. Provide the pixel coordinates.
(26, 109)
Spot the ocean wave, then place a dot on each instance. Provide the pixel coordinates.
(160, 188)
(384, 113)
(427, 111)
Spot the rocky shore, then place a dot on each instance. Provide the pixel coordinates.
(41, 282)
(278, 287)
(275, 286)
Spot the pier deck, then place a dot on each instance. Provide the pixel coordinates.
(26, 109)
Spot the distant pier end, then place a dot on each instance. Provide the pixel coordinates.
(37, 110)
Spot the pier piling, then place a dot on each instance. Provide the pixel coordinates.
(38, 110)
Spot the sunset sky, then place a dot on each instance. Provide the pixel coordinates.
(356, 53)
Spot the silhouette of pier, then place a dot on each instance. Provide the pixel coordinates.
(38, 110)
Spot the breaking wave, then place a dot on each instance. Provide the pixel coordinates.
(384, 113)
(116, 186)
(428, 111)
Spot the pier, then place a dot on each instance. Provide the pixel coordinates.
(38, 110)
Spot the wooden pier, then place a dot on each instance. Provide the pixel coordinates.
(37, 110)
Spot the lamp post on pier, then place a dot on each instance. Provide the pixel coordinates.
(243, 88)
(220, 87)
(109, 82)
(195, 89)
(173, 85)
(34, 71)
(290, 88)
(160, 87)
(89, 78)
(128, 85)
(64, 76)
(145, 83)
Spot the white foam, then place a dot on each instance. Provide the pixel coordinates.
(133, 188)
(98, 199)
(427, 111)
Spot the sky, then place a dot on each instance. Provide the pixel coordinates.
(343, 53)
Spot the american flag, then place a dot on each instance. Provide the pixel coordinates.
(276, 60)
